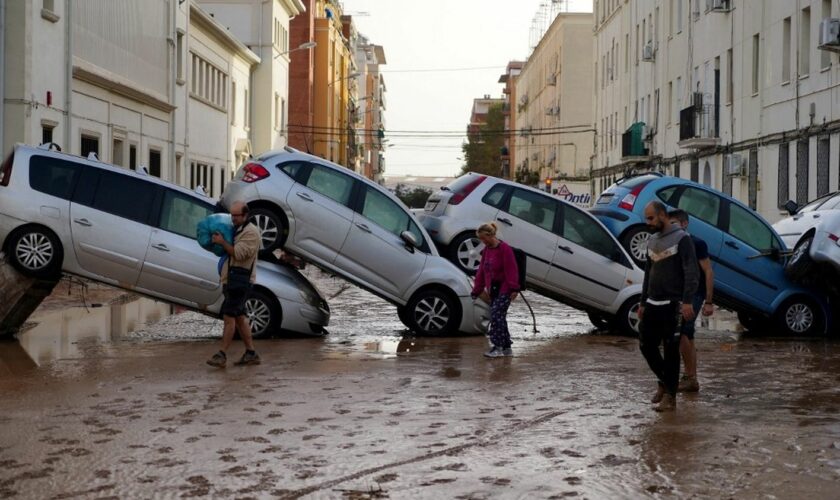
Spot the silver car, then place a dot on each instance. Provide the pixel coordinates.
(571, 257)
(350, 226)
(60, 212)
(813, 232)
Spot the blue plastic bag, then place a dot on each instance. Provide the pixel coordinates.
(215, 223)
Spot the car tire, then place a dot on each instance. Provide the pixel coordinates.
(801, 266)
(264, 314)
(273, 230)
(627, 320)
(433, 312)
(751, 323)
(465, 252)
(36, 252)
(800, 316)
(403, 315)
(635, 242)
(599, 321)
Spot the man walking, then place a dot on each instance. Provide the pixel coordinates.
(238, 274)
(702, 301)
(669, 286)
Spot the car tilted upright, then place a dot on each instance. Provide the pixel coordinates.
(813, 232)
(571, 257)
(350, 226)
(748, 256)
(60, 212)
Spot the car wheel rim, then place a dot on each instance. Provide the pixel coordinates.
(639, 244)
(268, 229)
(633, 317)
(34, 251)
(259, 315)
(432, 314)
(469, 253)
(799, 318)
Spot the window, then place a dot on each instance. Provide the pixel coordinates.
(495, 196)
(750, 229)
(786, 50)
(181, 213)
(784, 175)
(117, 152)
(47, 134)
(154, 162)
(89, 144)
(701, 204)
(534, 208)
(179, 48)
(132, 157)
(580, 229)
(755, 64)
(805, 42)
(209, 83)
(332, 184)
(124, 196)
(802, 171)
(730, 86)
(53, 177)
(823, 153)
(825, 55)
(246, 109)
(678, 97)
(679, 13)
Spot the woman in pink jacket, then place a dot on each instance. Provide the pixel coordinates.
(497, 283)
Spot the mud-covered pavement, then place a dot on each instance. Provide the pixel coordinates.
(370, 413)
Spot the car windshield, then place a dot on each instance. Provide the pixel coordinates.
(817, 204)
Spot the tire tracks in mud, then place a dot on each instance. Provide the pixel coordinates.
(451, 451)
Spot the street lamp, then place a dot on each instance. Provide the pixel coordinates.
(303, 46)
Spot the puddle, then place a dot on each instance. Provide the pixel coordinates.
(57, 334)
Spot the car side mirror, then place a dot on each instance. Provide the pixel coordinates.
(792, 207)
(409, 239)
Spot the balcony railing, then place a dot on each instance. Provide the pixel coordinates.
(633, 143)
(697, 129)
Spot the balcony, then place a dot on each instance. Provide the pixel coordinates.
(697, 129)
(633, 148)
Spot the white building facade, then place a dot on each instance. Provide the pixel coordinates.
(735, 94)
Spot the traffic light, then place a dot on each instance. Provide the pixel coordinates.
(548, 184)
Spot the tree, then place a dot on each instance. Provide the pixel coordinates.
(483, 149)
(414, 197)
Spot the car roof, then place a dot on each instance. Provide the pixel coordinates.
(679, 181)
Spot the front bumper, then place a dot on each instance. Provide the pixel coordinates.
(476, 316)
(825, 250)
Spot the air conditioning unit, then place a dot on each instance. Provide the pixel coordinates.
(734, 165)
(648, 52)
(830, 35)
(551, 80)
(718, 5)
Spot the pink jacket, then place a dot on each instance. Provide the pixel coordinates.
(498, 265)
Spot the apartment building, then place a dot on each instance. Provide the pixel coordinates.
(370, 108)
(735, 94)
(508, 78)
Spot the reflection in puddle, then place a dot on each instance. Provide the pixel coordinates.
(57, 334)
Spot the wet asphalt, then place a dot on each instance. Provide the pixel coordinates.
(117, 402)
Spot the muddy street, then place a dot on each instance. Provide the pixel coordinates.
(116, 401)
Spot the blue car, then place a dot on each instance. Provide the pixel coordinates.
(748, 256)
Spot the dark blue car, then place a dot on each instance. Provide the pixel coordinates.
(748, 256)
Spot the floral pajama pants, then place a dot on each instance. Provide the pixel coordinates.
(499, 334)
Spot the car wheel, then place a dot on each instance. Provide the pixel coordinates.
(465, 252)
(635, 241)
(627, 320)
(800, 316)
(272, 229)
(264, 314)
(599, 321)
(36, 252)
(800, 265)
(433, 312)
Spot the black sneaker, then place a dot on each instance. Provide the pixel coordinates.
(251, 358)
(218, 360)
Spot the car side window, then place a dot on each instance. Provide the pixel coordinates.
(330, 183)
(181, 214)
(52, 176)
(580, 229)
(750, 229)
(666, 194)
(534, 208)
(701, 204)
(390, 216)
(124, 196)
(495, 196)
(292, 168)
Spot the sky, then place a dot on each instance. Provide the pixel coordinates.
(420, 39)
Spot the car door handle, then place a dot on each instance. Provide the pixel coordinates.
(304, 196)
(83, 222)
(566, 249)
(363, 227)
(732, 244)
(506, 221)
(816, 216)
(161, 247)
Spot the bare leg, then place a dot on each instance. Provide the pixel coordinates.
(227, 335)
(689, 355)
(245, 331)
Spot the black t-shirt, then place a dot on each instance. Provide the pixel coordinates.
(701, 249)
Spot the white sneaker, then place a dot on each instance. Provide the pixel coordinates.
(494, 352)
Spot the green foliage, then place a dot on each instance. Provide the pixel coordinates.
(483, 149)
(527, 177)
(412, 197)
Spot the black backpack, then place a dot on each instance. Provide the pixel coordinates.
(521, 265)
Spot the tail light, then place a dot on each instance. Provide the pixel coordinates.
(254, 172)
(629, 200)
(462, 194)
(6, 170)
(834, 238)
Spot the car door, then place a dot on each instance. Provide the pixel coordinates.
(374, 252)
(740, 271)
(176, 267)
(704, 210)
(527, 221)
(109, 219)
(588, 264)
(320, 203)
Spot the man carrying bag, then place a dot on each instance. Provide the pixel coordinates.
(238, 274)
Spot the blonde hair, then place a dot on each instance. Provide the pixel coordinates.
(488, 228)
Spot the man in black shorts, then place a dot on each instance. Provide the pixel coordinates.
(238, 273)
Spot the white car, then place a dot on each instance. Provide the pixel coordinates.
(813, 232)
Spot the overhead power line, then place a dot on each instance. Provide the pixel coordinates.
(440, 70)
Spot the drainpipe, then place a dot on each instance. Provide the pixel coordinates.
(187, 85)
(68, 74)
(2, 76)
(173, 65)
